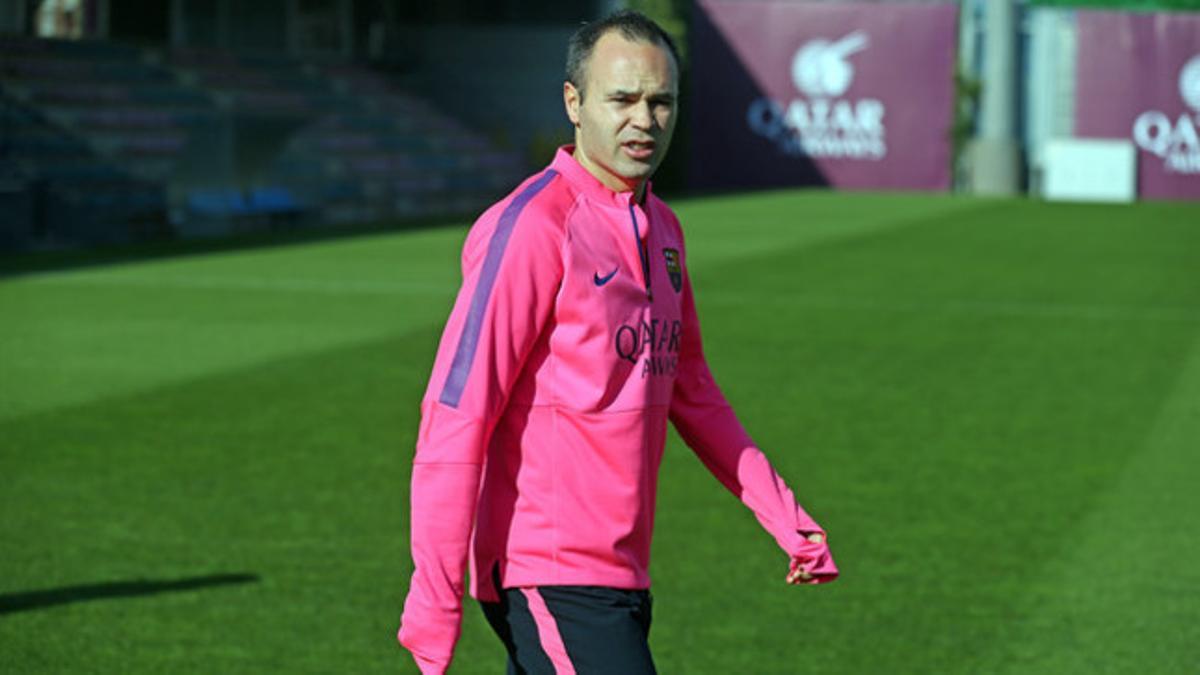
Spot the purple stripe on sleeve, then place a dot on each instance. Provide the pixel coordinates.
(460, 368)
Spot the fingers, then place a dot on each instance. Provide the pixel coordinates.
(798, 575)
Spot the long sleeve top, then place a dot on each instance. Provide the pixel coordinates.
(573, 340)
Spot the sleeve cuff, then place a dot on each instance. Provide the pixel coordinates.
(814, 559)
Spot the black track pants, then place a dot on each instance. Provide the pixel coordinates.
(589, 630)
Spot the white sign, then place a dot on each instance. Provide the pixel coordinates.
(1090, 170)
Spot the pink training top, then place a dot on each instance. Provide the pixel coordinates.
(573, 339)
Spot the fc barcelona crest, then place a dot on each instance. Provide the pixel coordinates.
(673, 269)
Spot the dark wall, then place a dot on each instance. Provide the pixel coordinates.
(504, 80)
(139, 20)
(258, 24)
(501, 11)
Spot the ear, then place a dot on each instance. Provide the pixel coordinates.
(572, 100)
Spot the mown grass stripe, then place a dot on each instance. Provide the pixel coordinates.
(1126, 589)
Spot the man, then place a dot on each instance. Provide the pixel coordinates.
(573, 340)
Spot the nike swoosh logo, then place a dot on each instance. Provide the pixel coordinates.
(601, 280)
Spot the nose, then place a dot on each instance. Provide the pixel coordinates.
(641, 117)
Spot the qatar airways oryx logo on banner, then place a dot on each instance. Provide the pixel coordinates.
(1138, 77)
(821, 122)
(1173, 137)
(847, 94)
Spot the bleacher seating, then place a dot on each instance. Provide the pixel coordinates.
(94, 120)
(74, 195)
(122, 104)
(405, 156)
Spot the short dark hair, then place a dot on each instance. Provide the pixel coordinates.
(633, 26)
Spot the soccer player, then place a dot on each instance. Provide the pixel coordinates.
(573, 340)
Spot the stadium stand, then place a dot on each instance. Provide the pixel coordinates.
(105, 142)
(61, 192)
(111, 95)
(394, 153)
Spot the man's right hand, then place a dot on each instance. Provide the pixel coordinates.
(430, 635)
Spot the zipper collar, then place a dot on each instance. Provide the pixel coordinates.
(589, 185)
(643, 251)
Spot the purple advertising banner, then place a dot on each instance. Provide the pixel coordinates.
(1138, 77)
(849, 95)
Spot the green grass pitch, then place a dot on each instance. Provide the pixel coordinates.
(992, 405)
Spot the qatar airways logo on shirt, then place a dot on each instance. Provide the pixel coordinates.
(821, 122)
(655, 343)
(1174, 138)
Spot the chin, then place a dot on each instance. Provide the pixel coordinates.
(637, 170)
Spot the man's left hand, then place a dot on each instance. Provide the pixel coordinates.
(797, 574)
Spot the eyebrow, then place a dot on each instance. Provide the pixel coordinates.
(623, 93)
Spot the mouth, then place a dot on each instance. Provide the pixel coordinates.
(639, 150)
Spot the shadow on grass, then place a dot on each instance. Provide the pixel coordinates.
(30, 600)
(14, 264)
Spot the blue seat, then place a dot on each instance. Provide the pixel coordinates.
(219, 202)
(273, 199)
